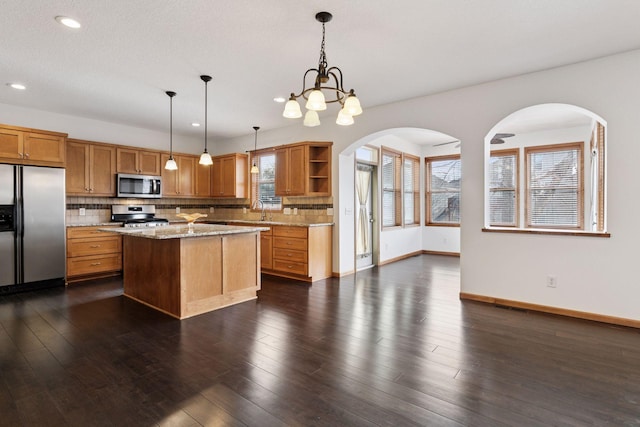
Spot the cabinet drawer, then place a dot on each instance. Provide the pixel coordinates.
(290, 243)
(82, 232)
(285, 231)
(82, 247)
(93, 264)
(290, 255)
(290, 267)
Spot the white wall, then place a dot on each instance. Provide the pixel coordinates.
(598, 275)
(99, 131)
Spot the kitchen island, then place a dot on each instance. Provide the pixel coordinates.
(186, 270)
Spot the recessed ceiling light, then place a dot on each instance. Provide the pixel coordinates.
(195, 125)
(279, 99)
(68, 22)
(17, 86)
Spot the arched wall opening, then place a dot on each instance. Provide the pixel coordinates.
(396, 242)
(545, 168)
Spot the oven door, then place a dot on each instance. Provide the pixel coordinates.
(139, 186)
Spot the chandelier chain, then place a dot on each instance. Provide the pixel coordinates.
(323, 56)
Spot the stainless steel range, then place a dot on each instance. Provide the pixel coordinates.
(137, 216)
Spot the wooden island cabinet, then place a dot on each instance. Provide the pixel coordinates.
(186, 270)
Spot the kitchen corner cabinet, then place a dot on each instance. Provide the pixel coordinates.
(141, 162)
(92, 253)
(229, 176)
(304, 169)
(181, 182)
(91, 169)
(26, 146)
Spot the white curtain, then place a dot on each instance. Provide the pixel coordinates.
(363, 240)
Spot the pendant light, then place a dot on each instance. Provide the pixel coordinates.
(171, 164)
(205, 157)
(254, 168)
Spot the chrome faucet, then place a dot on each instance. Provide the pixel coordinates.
(263, 215)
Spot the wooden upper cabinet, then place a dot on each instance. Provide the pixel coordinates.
(77, 179)
(203, 180)
(32, 147)
(91, 169)
(181, 182)
(229, 176)
(304, 169)
(141, 162)
(291, 171)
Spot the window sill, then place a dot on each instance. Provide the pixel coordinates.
(545, 231)
(439, 224)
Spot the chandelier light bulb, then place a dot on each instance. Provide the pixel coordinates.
(352, 105)
(311, 119)
(316, 101)
(344, 118)
(292, 109)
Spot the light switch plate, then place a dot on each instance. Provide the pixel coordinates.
(82, 211)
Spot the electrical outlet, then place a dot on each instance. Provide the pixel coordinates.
(552, 281)
(82, 211)
(295, 211)
(177, 210)
(286, 211)
(329, 211)
(211, 209)
(244, 210)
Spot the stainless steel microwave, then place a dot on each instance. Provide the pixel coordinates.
(143, 186)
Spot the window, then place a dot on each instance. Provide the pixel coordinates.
(503, 188)
(263, 184)
(443, 190)
(391, 199)
(411, 189)
(555, 196)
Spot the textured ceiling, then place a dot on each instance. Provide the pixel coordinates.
(117, 67)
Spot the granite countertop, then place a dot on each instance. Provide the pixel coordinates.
(96, 224)
(255, 222)
(183, 231)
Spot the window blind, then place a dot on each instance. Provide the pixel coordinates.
(503, 190)
(554, 181)
(411, 189)
(391, 202)
(443, 190)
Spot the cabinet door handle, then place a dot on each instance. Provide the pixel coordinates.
(94, 246)
(93, 264)
(26, 155)
(21, 155)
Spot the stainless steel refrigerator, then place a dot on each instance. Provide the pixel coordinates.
(32, 228)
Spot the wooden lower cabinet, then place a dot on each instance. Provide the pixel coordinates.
(92, 253)
(299, 252)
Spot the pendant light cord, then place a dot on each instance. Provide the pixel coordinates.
(206, 90)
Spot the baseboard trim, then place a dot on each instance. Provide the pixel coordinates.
(621, 321)
(399, 258)
(338, 274)
(454, 254)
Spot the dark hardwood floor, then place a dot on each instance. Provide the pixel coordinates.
(389, 346)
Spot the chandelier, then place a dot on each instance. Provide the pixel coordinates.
(327, 79)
